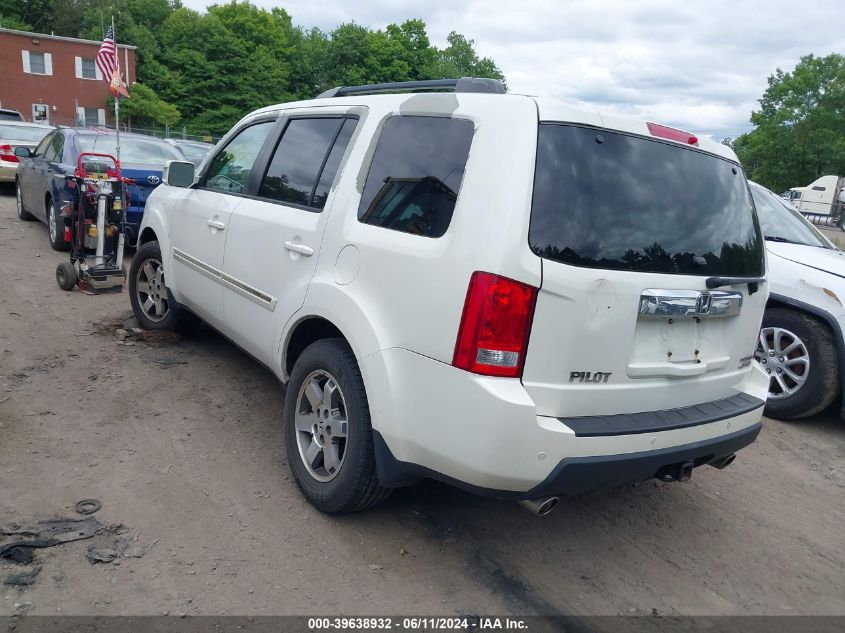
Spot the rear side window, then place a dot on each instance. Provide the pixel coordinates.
(306, 161)
(416, 174)
(621, 202)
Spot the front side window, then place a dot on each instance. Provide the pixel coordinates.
(416, 174)
(306, 161)
(37, 65)
(54, 152)
(621, 202)
(44, 144)
(229, 171)
(89, 69)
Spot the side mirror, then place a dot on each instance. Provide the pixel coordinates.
(179, 173)
(23, 152)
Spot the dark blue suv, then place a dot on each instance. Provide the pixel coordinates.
(41, 187)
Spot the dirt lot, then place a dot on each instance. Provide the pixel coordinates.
(181, 442)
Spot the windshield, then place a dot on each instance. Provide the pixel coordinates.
(194, 150)
(23, 133)
(132, 148)
(615, 201)
(781, 223)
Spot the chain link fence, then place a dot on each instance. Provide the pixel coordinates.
(162, 132)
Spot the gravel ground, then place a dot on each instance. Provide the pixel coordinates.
(180, 440)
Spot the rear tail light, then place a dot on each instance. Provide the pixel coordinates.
(673, 134)
(493, 336)
(8, 154)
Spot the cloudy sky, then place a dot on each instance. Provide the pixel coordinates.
(696, 64)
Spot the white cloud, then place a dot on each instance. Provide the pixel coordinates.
(699, 65)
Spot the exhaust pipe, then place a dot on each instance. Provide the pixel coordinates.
(681, 471)
(723, 462)
(540, 507)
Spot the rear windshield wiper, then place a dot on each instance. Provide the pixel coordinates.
(718, 282)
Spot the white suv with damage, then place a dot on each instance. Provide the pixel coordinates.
(498, 291)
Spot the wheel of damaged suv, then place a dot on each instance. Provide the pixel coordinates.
(149, 295)
(23, 214)
(328, 436)
(56, 227)
(798, 353)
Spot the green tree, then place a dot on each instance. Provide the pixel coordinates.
(145, 108)
(216, 66)
(459, 59)
(799, 131)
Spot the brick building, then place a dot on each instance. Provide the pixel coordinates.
(52, 79)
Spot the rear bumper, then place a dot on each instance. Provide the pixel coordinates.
(580, 475)
(8, 171)
(483, 434)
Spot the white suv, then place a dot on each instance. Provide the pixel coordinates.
(497, 291)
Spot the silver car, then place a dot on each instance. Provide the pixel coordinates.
(14, 134)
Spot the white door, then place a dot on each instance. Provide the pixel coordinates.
(200, 222)
(274, 238)
(41, 113)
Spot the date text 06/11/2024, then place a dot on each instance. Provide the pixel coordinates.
(466, 623)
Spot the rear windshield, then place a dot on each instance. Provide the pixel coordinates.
(621, 202)
(20, 133)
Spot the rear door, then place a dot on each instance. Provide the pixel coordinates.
(629, 229)
(200, 221)
(274, 237)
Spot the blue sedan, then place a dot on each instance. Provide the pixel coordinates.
(41, 187)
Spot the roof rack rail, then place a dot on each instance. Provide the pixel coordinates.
(464, 84)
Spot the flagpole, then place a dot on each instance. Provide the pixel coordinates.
(117, 95)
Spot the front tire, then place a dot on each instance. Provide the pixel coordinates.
(23, 214)
(56, 227)
(66, 276)
(149, 296)
(328, 436)
(799, 354)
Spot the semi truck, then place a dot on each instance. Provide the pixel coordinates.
(822, 201)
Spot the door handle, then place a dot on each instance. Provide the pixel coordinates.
(302, 249)
(216, 224)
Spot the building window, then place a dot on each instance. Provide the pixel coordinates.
(36, 64)
(89, 69)
(90, 117)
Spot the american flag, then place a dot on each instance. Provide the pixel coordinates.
(107, 56)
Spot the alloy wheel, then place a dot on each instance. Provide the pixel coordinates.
(785, 358)
(321, 425)
(51, 222)
(151, 291)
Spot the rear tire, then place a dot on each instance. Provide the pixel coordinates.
(66, 276)
(814, 359)
(346, 480)
(23, 214)
(149, 296)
